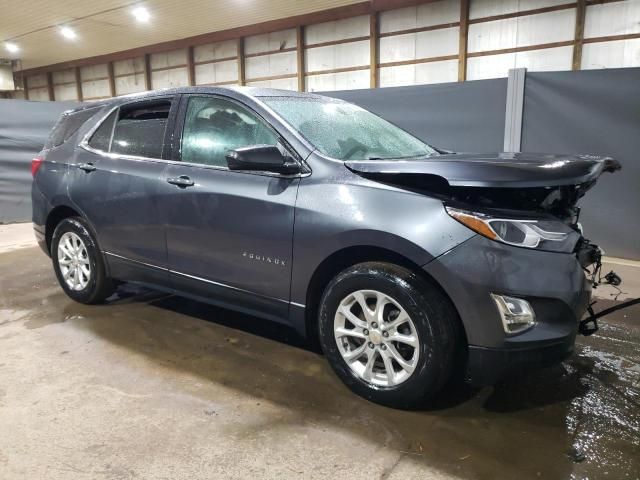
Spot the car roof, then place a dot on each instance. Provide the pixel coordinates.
(236, 92)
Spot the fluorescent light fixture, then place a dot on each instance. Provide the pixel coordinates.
(11, 47)
(66, 32)
(141, 14)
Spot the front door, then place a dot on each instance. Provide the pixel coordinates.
(118, 179)
(229, 233)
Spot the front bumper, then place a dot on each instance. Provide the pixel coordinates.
(553, 283)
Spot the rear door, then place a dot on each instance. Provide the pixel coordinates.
(117, 182)
(229, 233)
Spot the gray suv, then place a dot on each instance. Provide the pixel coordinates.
(409, 265)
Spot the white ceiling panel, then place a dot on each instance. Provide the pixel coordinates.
(108, 26)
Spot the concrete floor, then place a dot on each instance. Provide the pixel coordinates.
(154, 386)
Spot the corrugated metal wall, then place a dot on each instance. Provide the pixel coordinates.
(411, 46)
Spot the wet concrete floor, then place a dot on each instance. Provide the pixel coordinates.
(155, 386)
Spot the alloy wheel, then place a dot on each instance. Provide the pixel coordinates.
(376, 338)
(73, 260)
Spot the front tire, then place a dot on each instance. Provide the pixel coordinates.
(78, 263)
(390, 335)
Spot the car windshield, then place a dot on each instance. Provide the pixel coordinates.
(345, 131)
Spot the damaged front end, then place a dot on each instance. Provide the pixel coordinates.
(524, 200)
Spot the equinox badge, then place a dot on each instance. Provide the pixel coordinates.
(263, 258)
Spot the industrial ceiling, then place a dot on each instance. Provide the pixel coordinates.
(34, 26)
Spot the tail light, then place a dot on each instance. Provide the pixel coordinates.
(35, 165)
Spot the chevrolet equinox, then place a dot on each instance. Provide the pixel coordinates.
(410, 265)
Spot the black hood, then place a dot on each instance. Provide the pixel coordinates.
(532, 182)
(498, 170)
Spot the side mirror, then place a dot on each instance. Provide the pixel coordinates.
(261, 158)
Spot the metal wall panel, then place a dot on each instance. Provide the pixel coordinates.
(489, 8)
(65, 92)
(129, 75)
(617, 18)
(39, 94)
(130, 84)
(434, 43)
(593, 112)
(338, 81)
(496, 66)
(269, 42)
(95, 82)
(209, 73)
(426, 15)
(337, 30)
(215, 51)
(618, 54)
(63, 76)
(169, 59)
(522, 31)
(421, 73)
(174, 77)
(344, 55)
(64, 86)
(174, 72)
(36, 81)
(129, 66)
(271, 65)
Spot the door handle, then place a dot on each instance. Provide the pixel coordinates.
(87, 167)
(182, 181)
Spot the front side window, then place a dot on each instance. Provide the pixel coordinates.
(213, 126)
(345, 131)
(139, 130)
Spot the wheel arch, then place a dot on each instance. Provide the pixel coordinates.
(59, 213)
(55, 216)
(345, 258)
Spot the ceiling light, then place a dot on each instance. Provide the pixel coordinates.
(66, 32)
(141, 14)
(11, 47)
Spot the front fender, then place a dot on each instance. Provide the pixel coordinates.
(335, 216)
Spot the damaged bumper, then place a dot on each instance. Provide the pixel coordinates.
(554, 285)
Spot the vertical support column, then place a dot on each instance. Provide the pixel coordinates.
(581, 10)
(25, 85)
(241, 76)
(78, 84)
(464, 34)
(373, 49)
(112, 79)
(50, 90)
(191, 69)
(147, 72)
(515, 107)
(300, 58)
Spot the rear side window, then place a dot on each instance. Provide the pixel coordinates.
(101, 139)
(138, 130)
(67, 125)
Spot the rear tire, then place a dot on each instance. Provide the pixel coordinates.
(78, 263)
(403, 348)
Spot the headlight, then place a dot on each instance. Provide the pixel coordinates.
(550, 235)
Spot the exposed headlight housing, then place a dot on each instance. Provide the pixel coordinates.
(550, 235)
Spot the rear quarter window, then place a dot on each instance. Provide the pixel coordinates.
(67, 125)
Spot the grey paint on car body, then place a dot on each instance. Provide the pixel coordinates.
(218, 240)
